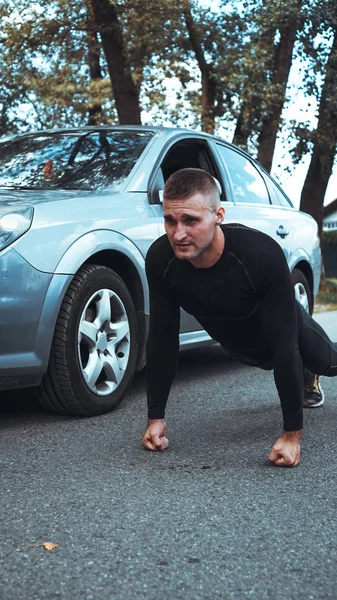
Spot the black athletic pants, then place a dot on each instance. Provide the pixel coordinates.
(318, 352)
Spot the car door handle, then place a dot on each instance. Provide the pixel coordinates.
(282, 231)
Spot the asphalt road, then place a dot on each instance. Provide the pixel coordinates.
(209, 518)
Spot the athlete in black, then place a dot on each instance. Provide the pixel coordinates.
(236, 282)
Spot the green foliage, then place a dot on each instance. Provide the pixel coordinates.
(327, 291)
(314, 49)
(45, 79)
(44, 49)
(329, 237)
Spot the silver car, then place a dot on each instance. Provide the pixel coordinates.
(79, 209)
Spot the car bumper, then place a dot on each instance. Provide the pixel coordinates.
(29, 302)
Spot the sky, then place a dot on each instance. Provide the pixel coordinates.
(300, 108)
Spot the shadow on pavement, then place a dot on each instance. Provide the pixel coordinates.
(193, 364)
(18, 401)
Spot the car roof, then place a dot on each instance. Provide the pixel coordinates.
(158, 129)
(161, 130)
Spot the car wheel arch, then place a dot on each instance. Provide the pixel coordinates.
(304, 269)
(114, 250)
(94, 242)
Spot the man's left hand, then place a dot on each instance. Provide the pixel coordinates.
(286, 451)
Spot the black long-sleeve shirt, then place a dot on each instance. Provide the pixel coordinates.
(245, 301)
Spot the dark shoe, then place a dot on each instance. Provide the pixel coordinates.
(313, 393)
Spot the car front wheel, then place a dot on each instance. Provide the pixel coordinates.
(94, 350)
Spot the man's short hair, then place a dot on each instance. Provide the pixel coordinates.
(186, 182)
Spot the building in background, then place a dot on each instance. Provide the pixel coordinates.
(330, 239)
(330, 216)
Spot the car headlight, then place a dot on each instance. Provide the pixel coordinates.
(13, 224)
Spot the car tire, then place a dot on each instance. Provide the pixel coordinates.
(302, 290)
(94, 349)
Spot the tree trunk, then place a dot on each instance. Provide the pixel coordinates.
(123, 87)
(208, 78)
(242, 130)
(95, 108)
(3, 119)
(251, 105)
(325, 145)
(316, 182)
(283, 59)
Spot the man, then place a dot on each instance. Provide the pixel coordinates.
(236, 282)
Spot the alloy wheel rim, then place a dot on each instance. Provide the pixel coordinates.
(103, 342)
(302, 296)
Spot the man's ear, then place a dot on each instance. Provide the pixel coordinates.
(220, 213)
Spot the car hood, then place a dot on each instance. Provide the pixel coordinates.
(10, 199)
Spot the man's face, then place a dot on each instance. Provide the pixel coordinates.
(190, 225)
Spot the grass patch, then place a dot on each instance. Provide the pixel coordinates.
(327, 296)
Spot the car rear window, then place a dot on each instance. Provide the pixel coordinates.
(71, 160)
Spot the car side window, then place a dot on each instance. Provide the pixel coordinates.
(185, 154)
(248, 184)
(277, 195)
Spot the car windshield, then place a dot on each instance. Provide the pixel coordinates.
(71, 160)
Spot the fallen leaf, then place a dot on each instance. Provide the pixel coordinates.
(49, 545)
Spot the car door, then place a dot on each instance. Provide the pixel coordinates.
(253, 205)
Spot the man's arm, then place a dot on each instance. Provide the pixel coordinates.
(161, 351)
(280, 329)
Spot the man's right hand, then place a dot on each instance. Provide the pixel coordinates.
(154, 437)
(286, 450)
